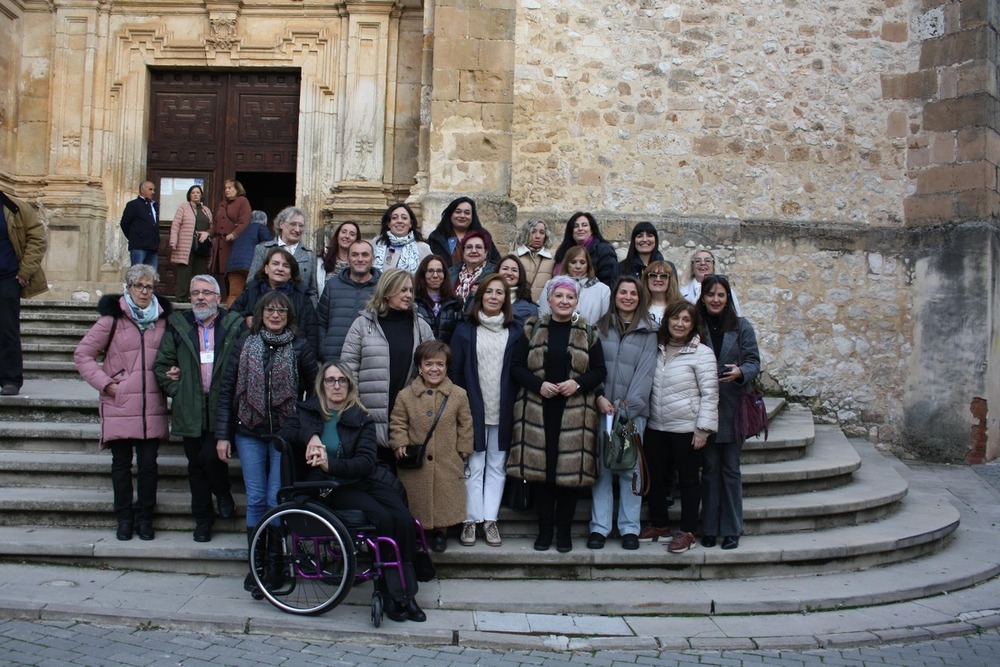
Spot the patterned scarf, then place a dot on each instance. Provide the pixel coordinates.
(468, 281)
(145, 318)
(267, 384)
(405, 246)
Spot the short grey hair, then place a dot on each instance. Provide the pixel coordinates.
(206, 278)
(139, 271)
(258, 217)
(287, 213)
(525, 233)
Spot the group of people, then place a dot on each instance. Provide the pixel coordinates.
(480, 367)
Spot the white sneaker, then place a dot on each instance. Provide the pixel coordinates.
(468, 537)
(492, 533)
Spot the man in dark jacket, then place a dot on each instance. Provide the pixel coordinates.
(22, 247)
(345, 295)
(190, 366)
(140, 224)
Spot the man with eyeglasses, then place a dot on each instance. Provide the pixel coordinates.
(291, 224)
(189, 367)
(343, 297)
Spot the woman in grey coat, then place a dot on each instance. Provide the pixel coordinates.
(628, 337)
(734, 342)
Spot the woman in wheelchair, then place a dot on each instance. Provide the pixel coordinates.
(338, 437)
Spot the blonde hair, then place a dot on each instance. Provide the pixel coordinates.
(390, 283)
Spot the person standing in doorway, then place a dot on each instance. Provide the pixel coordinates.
(22, 247)
(140, 224)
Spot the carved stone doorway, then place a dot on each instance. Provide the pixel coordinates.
(210, 125)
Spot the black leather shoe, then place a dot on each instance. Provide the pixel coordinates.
(414, 612)
(124, 531)
(227, 506)
(203, 533)
(730, 541)
(439, 542)
(595, 541)
(145, 531)
(394, 611)
(564, 541)
(708, 541)
(544, 539)
(630, 541)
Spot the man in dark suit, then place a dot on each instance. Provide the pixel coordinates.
(140, 225)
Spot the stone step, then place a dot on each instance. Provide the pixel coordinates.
(41, 486)
(48, 351)
(45, 332)
(922, 525)
(790, 432)
(47, 369)
(829, 463)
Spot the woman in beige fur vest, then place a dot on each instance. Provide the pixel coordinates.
(558, 365)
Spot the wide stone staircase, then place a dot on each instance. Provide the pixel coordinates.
(829, 521)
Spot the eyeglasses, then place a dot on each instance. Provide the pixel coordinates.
(441, 271)
(660, 276)
(703, 260)
(335, 381)
(275, 310)
(475, 247)
(202, 292)
(295, 225)
(141, 288)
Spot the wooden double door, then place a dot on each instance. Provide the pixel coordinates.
(208, 126)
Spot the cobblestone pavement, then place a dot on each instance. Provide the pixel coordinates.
(51, 643)
(990, 472)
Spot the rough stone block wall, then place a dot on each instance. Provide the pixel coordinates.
(733, 109)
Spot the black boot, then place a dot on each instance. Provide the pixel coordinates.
(544, 539)
(249, 584)
(275, 559)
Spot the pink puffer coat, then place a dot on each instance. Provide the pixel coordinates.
(139, 409)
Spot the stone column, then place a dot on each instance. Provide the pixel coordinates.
(468, 117)
(367, 108)
(953, 157)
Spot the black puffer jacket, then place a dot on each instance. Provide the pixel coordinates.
(443, 324)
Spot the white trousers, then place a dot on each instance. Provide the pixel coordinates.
(487, 474)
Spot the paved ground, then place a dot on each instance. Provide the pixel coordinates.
(44, 643)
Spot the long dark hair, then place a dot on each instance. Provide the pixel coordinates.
(632, 252)
(523, 289)
(673, 310)
(383, 234)
(730, 320)
(568, 241)
(447, 291)
(444, 226)
(333, 247)
(611, 318)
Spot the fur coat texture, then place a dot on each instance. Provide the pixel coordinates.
(576, 459)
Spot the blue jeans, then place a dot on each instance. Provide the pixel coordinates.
(148, 257)
(261, 464)
(629, 504)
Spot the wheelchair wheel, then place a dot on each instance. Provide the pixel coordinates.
(302, 558)
(376, 608)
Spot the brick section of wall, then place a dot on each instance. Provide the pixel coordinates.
(953, 153)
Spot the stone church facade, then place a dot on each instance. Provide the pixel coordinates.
(839, 158)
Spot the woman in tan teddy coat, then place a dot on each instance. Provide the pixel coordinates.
(436, 489)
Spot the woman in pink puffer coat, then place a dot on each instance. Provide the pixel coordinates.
(132, 407)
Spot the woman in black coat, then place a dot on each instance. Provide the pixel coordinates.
(365, 484)
(280, 273)
(734, 342)
(435, 298)
(582, 230)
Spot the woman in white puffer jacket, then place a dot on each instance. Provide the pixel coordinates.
(684, 411)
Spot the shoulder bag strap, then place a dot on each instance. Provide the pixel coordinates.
(437, 417)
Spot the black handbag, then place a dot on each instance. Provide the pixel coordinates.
(201, 248)
(414, 457)
(517, 495)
